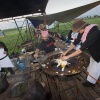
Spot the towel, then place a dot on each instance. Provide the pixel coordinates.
(87, 29)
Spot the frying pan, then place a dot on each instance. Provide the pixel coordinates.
(77, 65)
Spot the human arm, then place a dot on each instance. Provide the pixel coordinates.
(77, 41)
(69, 49)
(77, 52)
(92, 37)
(36, 53)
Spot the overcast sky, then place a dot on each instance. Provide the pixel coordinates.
(55, 6)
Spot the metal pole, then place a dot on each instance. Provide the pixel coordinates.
(58, 27)
(19, 30)
(26, 29)
(29, 29)
(44, 20)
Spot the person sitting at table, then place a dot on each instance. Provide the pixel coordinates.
(47, 44)
(5, 62)
(37, 32)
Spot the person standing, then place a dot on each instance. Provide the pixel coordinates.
(90, 42)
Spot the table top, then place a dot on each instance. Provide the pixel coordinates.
(27, 54)
(27, 44)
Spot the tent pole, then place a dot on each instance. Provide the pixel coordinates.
(44, 20)
(29, 29)
(26, 29)
(18, 35)
(16, 43)
(18, 30)
(58, 27)
(23, 24)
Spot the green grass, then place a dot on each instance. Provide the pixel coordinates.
(65, 27)
(11, 37)
(94, 21)
(12, 34)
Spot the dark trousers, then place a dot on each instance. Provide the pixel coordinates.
(9, 69)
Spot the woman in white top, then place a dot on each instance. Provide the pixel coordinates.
(5, 61)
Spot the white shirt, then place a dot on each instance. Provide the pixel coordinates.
(74, 35)
(2, 53)
(6, 62)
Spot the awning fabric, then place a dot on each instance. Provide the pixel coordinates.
(13, 8)
(36, 22)
(67, 15)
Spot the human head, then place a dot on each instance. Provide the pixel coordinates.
(78, 26)
(45, 35)
(40, 26)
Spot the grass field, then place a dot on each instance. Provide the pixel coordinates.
(11, 37)
(65, 27)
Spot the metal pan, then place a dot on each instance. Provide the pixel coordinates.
(77, 65)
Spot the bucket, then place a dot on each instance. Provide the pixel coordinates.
(3, 82)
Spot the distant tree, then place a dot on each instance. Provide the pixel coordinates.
(95, 16)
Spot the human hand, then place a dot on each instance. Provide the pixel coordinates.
(36, 55)
(63, 54)
(65, 58)
(37, 51)
(5, 52)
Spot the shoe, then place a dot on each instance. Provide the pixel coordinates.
(88, 84)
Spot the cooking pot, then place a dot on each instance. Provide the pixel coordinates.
(3, 82)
